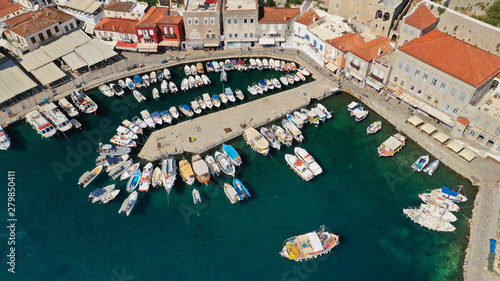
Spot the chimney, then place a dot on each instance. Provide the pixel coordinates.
(314, 18)
(114, 28)
(285, 16)
(379, 51)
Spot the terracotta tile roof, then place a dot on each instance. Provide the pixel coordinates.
(17, 19)
(6, 9)
(307, 18)
(119, 6)
(38, 20)
(421, 18)
(157, 15)
(464, 121)
(461, 60)
(282, 15)
(370, 50)
(347, 41)
(117, 25)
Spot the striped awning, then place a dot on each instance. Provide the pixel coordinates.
(456, 146)
(428, 128)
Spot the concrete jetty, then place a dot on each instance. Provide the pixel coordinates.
(208, 131)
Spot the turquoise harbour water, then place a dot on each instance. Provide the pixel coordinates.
(62, 236)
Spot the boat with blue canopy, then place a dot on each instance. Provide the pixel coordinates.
(241, 189)
(137, 81)
(452, 194)
(230, 95)
(233, 155)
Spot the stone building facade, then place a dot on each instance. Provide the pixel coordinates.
(202, 23)
(240, 21)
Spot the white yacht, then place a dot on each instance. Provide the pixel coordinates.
(40, 124)
(56, 117)
(68, 107)
(129, 203)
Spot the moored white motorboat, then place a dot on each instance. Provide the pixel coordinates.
(156, 178)
(198, 80)
(225, 164)
(435, 198)
(156, 94)
(172, 87)
(295, 120)
(139, 96)
(231, 193)
(196, 107)
(192, 82)
(55, 116)
(205, 79)
(134, 181)
(251, 90)
(146, 174)
(392, 145)
(139, 122)
(4, 140)
(187, 70)
(200, 169)
(130, 171)
(194, 71)
(106, 190)
(212, 165)
(284, 80)
(147, 118)
(292, 129)
(152, 77)
(201, 103)
(232, 154)
(166, 116)
(186, 110)
(284, 137)
(68, 107)
(112, 195)
(374, 127)
(129, 203)
(196, 196)
(157, 117)
(276, 83)
(273, 140)
(166, 74)
(421, 162)
(185, 84)
(89, 176)
(452, 194)
(430, 220)
(169, 172)
(164, 87)
(431, 168)
(117, 90)
(130, 84)
(145, 81)
(325, 111)
(216, 100)
(309, 160)
(223, 98)
(239, 94)
(106, 90)
(173, 111)
(83, 102)
(122, 141)
(207, 100)
(40, 124)
(256, 141)
(112, 150)
(118, 170)
(186, 172)
(126, 132)
(299, 167)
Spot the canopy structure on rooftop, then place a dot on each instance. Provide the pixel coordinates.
(102, 49)
(48, 73)
(428, 128)
(88, 54)
(13, 81)
(441, 137)
(456, 146)
(415, 121)
(467, 154)
(74, 61)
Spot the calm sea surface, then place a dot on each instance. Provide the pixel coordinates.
(61, 236)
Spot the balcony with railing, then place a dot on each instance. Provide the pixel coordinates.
(355, 66)
(376, 78)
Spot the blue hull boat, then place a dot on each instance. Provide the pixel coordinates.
(233, 155)
(138, 81)
(134, 181)
(241, 189)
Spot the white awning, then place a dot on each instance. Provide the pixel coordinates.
(415, 121)
(332, 67)
(33, 60)
(74, 61)
(467, 154)
(13, 81)
(48, 73)
(102, 49)
(456, 146)
(374, 83)
(147, 47)
(88, 54)
(211, 44)
(441, 137)
(280, 39)
(174, 44)
(266, 41)
(428, 128)
(315, 242)
(355, 75)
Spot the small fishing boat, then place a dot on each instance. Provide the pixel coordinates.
(284, 80)
(288, 67)
(239, 94)
(147, 118)
(200, 169)
(185, 84)
(259, 64)
(421, 162)
(265, 64)
(309, 160)
(112, 195)
(428, 219)
(276, 83)
(303, 117)
(130, 84)
(210, 67)
(77, 125)
(392, 145)
(313, 117)
(263, 85)
(234, 64)
(165, 115)
(256, 141)
(216, 100)
(139, 96)
(435, 198)
(137, 81)
(246, 64)
(159, 75)
(258, 89)
(106, 190)
(122, 84)
(292, 129)
(216, 66)
(290, 79)
(169, 172)
(232, 154)
(231, 193)
(227, 65)
(284, 137)
(145, 81)
(83, 102)
(194, 71)
(166, 74)
(156, 94)
(132, 127)
(207, 100)
(199, 67)
(273, 140)
(299, 167)
(126, 132)
(186, 110)
(230, 95)
(269, 84)
(223, 98)
(277, 65)
(295, 77)
(294, 67)
(241, 189)
(192, 82)
(96, 193)
(152, 77)
(251, 90)
(164, 87)
(68, 107)
(89, 176)
(352, 106)
(310, 245)
(451, 194)
(117, 90)
(295, 120)
(301, 76)
(225, 164)
(146, 177)
(130, 171)
(186, 172)
(241, 66)
(319, 113)
(187, 70)
(199, 81)
(134, 180)
(205, 79)
(106, 90)
(304, 71)
(157, 117)
(201, 102)
(119, 169)
(213, 167)
(271, 64)
(172, 87)
(173, 111)
(122, 141)
(115, 161)
(129, 203)
(112, 150)
(196, 196)
(253, 64)
(139, 122)
(431, 168)
(156, 179)
(223, 76)
(196, 107)
(374, 127)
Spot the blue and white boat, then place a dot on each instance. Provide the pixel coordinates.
(216, 66)
(223, 76)
(232, 154)
(241, 189)
(353, 105)
(137, 81)
(230, 95)
(159, 75)
(452, 194)
(420, 163)
(263, 85)
(129, 84)
(216, 100)
(210, 67)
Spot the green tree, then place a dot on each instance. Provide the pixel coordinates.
(494, 12)
(270, 3)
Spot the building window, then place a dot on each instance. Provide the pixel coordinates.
(71, 26)
(49, 33)
(207, 36)
(236, 35)
(337, 6)
(425, 77)
(447, 107)
(396, 79)
(235, 21)
(402, 83)
(412, 88)
(381, 74)
(41, 37)
(455, 111)
(357, 12)
(412, 32)
(230, 35)
(245, 35)
(192, 36)
(196, 21)
(486, 125)
(212, 21)
(462, 96)
(33, 40)
(251, 20)
(477, 120)
(139, 31)
(362, 64)
(171, 30)
(453, 92)
(472, 134)
(405, 29)
(321, 49)
(436, 102)
(400, 65)
(213, 35)
(66, 28)
(251, 35)
(428, 98)
(307, 37)
(497, 132)
(56, 28)
(417, 73)
(151, 32)
(433, 82)
(205, 20)
(190, 21)
(338, 54)
(419, 92)
(198, 36)
(407, 68)
(228, 21)
(442, 86)
(245, 20)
